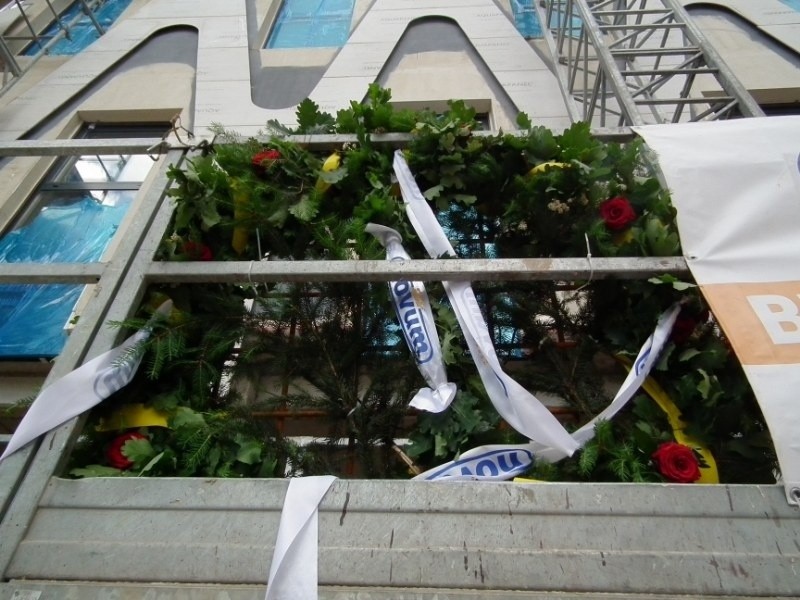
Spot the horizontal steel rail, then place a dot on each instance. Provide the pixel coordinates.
(51, 272)
(321, 142)
(82, 146)
(497, 269)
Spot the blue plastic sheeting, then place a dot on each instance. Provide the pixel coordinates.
(525, 18)
(32, 317)
(83, 32)
(312, 24)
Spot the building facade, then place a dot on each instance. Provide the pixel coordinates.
(175, 70)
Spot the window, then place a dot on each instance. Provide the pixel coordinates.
(82, 30)
(72, 218)
(312, 24)
(525, 18)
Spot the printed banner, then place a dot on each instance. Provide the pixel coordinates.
(736, 187)
(82, 389)
(293, 571)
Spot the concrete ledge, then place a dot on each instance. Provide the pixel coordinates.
(577, 538)
(66, 590)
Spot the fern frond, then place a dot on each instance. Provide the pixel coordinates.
(157, 360)
(588, 459)
(196, 447)
(604, 433)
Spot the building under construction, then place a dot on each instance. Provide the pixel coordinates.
(100, 97)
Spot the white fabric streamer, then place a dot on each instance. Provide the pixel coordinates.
(84, 388)
(415, 318)
(521, 409)
(550, 442)
(500, 462)
(485, 463)
(293, 571)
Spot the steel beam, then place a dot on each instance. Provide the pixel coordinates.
(506, 269)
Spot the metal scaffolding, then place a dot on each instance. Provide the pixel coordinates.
(23, 34)
(54, 530)
(123, 278)
(620, 63)
(636, 62)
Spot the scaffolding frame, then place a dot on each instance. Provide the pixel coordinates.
(31, 489)
(635, 62)
(13, 70)
(122, 279)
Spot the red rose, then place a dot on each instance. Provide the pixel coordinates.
(683, 329)
(617, 213)
(685, 325)
(114, 454)
(264, 159)
(197, 251)
(677, 462)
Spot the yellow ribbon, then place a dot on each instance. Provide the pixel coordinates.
(241, 235)
(132, 416)
(551, 164)
(708, 474)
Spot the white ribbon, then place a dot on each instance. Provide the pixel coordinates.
(645, 361)
(84, 388)
(485, 463)
(550, 442)
(495, 463)
(293, 571)
(415, 318)
(520, 409)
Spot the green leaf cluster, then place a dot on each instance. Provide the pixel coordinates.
(335, 347)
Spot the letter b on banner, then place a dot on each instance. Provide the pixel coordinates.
(779, 315)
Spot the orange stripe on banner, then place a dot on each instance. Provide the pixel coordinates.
(762, 320)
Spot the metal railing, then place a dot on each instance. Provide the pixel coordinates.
(123, 278)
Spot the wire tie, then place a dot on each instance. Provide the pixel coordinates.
(589, 259)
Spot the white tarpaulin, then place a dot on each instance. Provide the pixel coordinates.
(736, 187)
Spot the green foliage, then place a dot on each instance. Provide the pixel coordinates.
(449, 433)
(334, 348)
(310, 119)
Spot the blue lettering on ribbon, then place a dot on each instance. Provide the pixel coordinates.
(412, 322)
(641, 362)
(486, 465)
(502, 383)
(506, 462)
(113, 378)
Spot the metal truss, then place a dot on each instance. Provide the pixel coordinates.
(637, 62)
